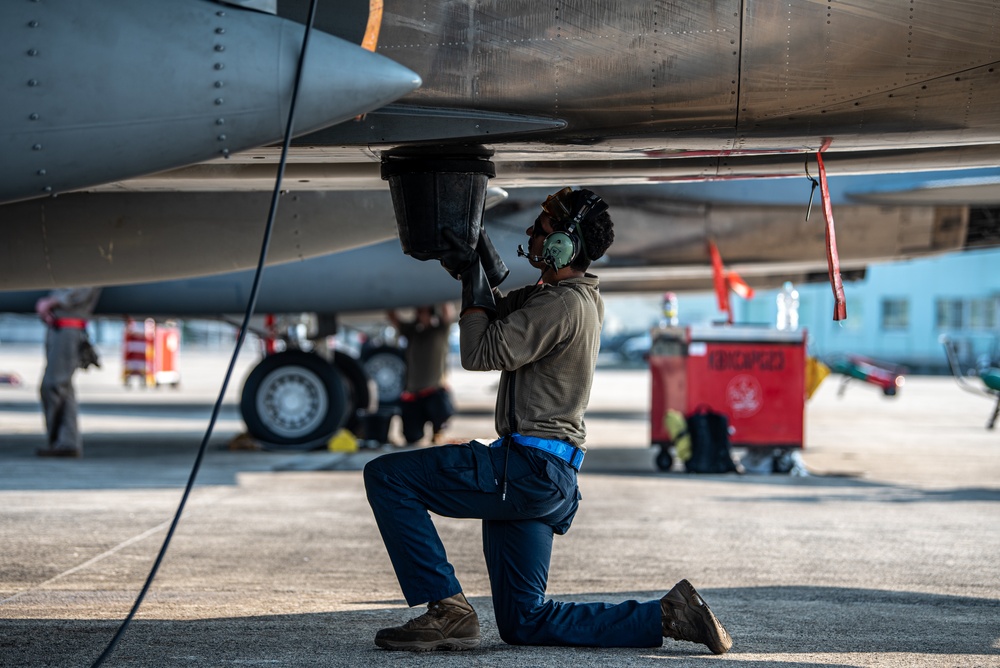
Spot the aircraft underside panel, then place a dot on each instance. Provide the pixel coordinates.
(716, 76)
(877, 69)
(635, 92)
(600, 64)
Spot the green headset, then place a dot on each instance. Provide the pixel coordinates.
(561, 248)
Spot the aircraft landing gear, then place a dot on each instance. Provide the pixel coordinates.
(298, 400)
(386, 366)
(294, 399)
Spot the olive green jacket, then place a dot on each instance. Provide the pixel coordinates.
(546, 337)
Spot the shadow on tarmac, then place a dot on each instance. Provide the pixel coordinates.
(152, 407)
(130, 461)
(782, 621)
(891, 494)
(126, 461)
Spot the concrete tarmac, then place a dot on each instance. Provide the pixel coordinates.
(888, 554)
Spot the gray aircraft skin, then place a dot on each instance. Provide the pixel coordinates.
(585, 93)
(646, 91)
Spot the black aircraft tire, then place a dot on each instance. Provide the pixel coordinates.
(294, 399)
(356, 384)
(387, 367)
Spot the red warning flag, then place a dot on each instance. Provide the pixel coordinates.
(719, 279)
(736, 283)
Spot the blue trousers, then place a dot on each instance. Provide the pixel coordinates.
(467, 480)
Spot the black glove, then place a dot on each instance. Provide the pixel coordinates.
(459, 257)
(493, 265)
(476, 290)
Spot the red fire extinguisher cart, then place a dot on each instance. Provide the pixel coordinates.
(753, 375)
(150, 354)
(165, 351)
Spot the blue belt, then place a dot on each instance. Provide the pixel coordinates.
(570, 454)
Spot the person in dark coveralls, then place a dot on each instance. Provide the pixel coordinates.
(544, 339)
(65, 313)
(426, 397)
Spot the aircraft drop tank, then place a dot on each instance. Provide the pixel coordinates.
(96, 92)
(434, 189)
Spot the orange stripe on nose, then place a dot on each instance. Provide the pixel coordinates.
(374, 25)
(370, 41)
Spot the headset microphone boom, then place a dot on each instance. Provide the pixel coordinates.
(531, 258)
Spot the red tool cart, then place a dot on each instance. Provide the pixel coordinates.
(150, 353)
(754, 375)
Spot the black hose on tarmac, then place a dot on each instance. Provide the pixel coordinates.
(251, 304)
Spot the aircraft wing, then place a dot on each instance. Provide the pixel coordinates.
(661, 235)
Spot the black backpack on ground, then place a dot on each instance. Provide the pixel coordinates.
(710, 451)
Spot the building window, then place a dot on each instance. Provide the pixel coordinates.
(969, 314)
(895, 314)
(982, 313)
(949, 314)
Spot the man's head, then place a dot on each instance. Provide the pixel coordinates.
(425, 314)
(583, 214)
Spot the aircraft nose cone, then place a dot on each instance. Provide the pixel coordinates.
(340, 80)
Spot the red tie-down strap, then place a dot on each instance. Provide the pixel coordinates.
(832, 260)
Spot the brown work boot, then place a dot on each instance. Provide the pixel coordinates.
(449, 624)
(686, 616)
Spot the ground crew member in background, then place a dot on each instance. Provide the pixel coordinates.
(426, 398)
(544, 338)
(67, 348)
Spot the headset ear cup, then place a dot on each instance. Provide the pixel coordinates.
(560, 249)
